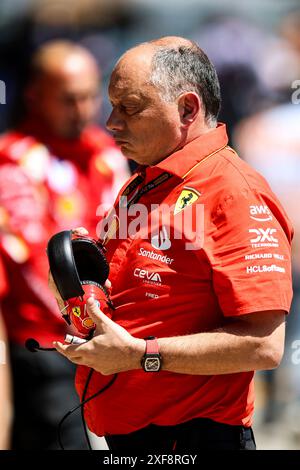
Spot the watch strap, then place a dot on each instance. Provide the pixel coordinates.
(151, 360)
(151, 345)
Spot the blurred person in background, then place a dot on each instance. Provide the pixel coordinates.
(5, 379)
(236, 63)
(56, 167)
(290, 29)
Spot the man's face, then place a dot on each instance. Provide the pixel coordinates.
(67, 100)
(146, 128)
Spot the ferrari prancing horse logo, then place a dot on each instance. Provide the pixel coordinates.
(76, 311)
(187, 197)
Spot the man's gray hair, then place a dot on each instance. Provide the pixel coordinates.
(183, 69)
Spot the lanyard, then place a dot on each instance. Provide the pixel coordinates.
(114, 226)
(144, 190)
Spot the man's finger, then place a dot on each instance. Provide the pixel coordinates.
(68, 350)
(73, 353)
(80, 231)
(95, 313)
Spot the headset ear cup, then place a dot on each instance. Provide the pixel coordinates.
(77, 310)
(75, 260)
(90, 260)
(62, 265)
(79, 269)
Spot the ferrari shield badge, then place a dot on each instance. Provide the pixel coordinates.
(76, 311)
(187, 197)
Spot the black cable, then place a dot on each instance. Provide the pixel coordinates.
(82, 408)
(81, 405)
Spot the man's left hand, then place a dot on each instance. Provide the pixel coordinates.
(110, 351)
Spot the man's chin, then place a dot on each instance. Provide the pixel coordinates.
(129, 152)
(125, 149)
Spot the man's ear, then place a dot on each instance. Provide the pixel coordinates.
(189, 106)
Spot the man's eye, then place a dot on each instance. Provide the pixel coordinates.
(129, 109)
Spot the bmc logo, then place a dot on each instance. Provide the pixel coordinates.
(144, 274)
(262, 211)
(263, 235)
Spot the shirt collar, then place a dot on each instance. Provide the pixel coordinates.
(180, 162)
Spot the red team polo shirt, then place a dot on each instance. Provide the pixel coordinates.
(167, 284)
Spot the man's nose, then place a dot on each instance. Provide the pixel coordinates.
(114, 122)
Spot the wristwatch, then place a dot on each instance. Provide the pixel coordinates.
(151, 360)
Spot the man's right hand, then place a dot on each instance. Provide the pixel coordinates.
(80, 231)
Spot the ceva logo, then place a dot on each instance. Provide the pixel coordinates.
(147, 276)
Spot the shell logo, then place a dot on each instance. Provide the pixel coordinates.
(88, 323)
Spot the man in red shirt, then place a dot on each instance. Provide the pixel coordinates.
(56, 167)
(201, 282)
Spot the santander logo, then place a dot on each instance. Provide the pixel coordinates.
(161, 241)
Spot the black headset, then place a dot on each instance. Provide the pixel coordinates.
(75, 260)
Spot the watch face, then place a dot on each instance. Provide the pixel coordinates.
(152, 364)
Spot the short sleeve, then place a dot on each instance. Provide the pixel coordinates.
(248, 244)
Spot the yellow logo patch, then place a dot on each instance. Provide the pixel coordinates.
(187, 197)
(76, 311)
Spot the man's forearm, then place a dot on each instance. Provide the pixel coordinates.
(216, 352)
(252, 342)
(228, 350)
